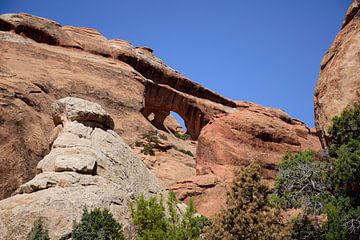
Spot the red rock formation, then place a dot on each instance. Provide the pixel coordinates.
(338, 85)
(41, 61)
(254, 134)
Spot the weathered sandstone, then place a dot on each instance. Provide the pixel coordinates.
(254, 134)
(338, 85)
(41, 61)
(89, 165)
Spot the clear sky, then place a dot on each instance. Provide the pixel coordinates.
(265, 51)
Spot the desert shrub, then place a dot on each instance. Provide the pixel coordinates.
(302, 182)
(345, 127)
(98, 224)
(187, 152)
(152, 141)
(152, 222)
(163, 137)
(148, 149)
(346, 168)
(326, 191)
(151, 136)
(38, 232)
(304, 228)
(248, 214)
(138, 144)
(182, 136)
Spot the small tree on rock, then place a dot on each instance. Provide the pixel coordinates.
(38, 232)
(248, 214)
(98, 224)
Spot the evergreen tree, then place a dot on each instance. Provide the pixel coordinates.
(98, 224)
(328, 191)
(248, 214)
(154, 223)
(38, 232)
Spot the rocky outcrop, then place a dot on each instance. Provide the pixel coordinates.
(41, 61)
(89, 165)
(338, 85)
(254, 134)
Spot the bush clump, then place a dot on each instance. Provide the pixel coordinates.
(183, 136)
(328, 192)
(38, 232)
(148, 149)
(98, 224)
(151, 137)
(152, 222)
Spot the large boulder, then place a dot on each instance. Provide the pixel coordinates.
(89, 165)
(338, 85)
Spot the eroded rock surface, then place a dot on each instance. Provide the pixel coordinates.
(254, 134)
(88, 165)
(41, 61)
(338, 85)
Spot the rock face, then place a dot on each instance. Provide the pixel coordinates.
(88, 165)
(254, 134)
(338, 86)
(41, 61)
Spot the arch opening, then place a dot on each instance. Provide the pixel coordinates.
(181, 122)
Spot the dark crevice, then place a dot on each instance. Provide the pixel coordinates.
(328, 61)
(350, 16)
(5, 26)
(26, 100)
(42, 87)
(37, 35)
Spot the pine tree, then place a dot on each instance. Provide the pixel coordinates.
(98, 224)
(247, 214)
(38, 232)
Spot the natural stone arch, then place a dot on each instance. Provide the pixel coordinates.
(161, 100)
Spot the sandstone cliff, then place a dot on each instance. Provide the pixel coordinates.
(254, 134)
(338, 86)
(89, 165)
(41, 61)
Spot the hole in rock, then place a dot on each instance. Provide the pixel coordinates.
(180, 121)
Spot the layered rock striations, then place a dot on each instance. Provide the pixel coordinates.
(89, 165)
(41, 61)
(253, 134)
(338, 85)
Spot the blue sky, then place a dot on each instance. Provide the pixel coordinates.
(265, 51)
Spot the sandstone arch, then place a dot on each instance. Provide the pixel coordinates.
(161, 99)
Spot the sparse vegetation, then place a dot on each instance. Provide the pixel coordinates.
(148, 149)
(151, 137)
(248, 213)
(97, 224)
(182, 136)
(152, 222)
(38, 232)
(163, 136)
(151, 141)
(187, 152)
(327, 192)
